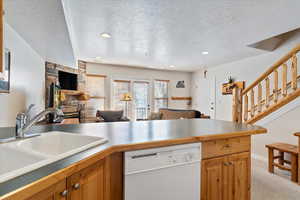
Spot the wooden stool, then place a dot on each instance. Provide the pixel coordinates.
(284, 148)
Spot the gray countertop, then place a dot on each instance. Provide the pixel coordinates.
(127, 133)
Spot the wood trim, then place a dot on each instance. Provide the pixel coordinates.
(72, 92)
(162, 80)
(96, 75)
(273, 67)
(1, 36)
(141, 82)
(97, 97)
(121, 81)
(181, 98)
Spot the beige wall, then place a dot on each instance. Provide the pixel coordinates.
(280, 127)
(123, 72)
(27, 78)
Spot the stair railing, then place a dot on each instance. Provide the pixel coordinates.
(273, 89)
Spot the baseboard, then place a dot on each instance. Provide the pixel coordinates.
(259, 158)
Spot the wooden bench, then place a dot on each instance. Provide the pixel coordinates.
(283, 148)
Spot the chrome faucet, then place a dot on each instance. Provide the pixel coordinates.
(24, 122)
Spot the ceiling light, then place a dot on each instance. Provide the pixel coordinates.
(205, 52)
(172, 66)
(105, 35)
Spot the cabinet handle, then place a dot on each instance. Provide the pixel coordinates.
(64, 193)
(226, 163)
(76, 186)
(227, 146)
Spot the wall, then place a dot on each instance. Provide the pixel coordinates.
(27, 78)
(123, 72)
(249, 69)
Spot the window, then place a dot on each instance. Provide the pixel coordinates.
(95, 86)
(160, 94)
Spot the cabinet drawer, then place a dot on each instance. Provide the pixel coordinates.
(216, 148)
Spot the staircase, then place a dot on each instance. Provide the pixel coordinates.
(272, 90)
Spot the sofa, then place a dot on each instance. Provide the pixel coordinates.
(168, 114)
(111, 116)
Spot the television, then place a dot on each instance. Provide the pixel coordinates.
(67, 81)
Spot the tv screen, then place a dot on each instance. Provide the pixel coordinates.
(67, 81)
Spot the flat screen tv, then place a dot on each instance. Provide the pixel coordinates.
(67, 81)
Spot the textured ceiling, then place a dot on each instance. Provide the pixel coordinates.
(159, 33)
(151, 33)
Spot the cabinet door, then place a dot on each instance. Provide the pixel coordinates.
(213, 174)
(54, 192)
(88, 184)
(239, 176)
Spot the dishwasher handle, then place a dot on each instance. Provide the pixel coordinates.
(144, 155)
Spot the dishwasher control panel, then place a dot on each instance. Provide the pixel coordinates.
(157, 158)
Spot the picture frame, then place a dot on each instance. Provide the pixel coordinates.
(5, 75)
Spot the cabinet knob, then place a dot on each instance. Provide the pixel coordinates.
(226, 163)
(76, 186)
(64, 193)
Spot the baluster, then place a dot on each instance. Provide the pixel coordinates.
(259, 98)
(267, 92)
(275, 91)
(252, 112)
(294, 72)
(246, 108)
(284, 79)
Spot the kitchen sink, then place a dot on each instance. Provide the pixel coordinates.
(15, 162)
(60, 143)
(22, 156)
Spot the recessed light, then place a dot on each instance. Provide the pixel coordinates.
(205, 52)
(105, 35)
(172, 66)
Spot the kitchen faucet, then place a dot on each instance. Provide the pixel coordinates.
(24, 122)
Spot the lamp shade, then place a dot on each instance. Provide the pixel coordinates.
(126, 97)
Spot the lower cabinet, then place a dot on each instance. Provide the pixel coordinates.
(87, 184)
(55, 192)
(102, 179)
(226, 178)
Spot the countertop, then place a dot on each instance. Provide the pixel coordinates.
(126, 136)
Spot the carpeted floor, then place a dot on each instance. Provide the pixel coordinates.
(266, 186)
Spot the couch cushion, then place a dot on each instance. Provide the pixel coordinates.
(178, 114)
(155, 116)
(111, 116)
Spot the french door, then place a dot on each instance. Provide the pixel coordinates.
(141, 98)
(139, 107)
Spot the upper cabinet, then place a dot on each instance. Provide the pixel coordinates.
(4, 58)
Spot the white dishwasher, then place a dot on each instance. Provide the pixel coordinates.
(167, 173)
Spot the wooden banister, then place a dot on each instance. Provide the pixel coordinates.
(272, 68)
(250, 111)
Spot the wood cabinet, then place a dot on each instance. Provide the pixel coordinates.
(55, 192)
(87, 184)
(96, 178)
(226, 178)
